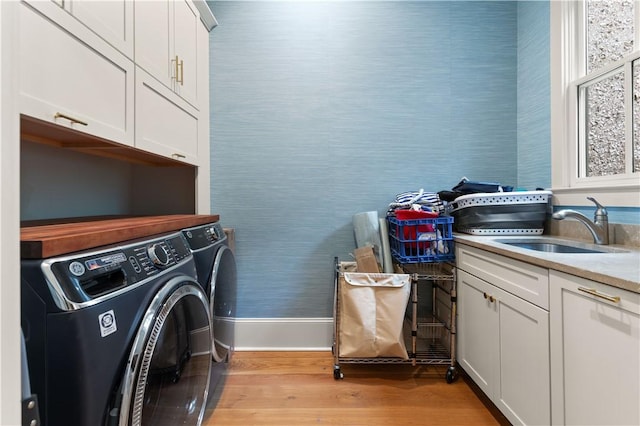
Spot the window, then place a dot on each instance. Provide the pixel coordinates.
(595, 111)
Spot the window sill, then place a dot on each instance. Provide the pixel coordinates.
(607, 195)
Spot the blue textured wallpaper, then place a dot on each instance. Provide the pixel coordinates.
(321, 110)
(534, 114)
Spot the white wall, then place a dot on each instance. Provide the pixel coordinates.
(10, 411)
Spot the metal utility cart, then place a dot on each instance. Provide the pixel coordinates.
(433, 334)
(430, 338)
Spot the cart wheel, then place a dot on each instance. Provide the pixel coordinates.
(452, 375)
(337, 374)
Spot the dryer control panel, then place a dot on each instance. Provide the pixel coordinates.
(203, 236)
(87, 276)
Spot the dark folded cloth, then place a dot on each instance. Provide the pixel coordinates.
(449, 196)
(466, 186)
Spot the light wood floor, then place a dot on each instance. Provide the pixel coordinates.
(298, 388)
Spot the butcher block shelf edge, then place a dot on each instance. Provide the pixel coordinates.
(48, 240)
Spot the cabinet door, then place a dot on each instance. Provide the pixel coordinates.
(522, 388)
(477, 331)
(110, 19)
(71, 77)
(185, 29)
(153, 39)
(503, 344)
(165, 124)
(595, 353)
(166, 44)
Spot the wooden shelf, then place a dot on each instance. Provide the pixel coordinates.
(43, 239)
(38, 131)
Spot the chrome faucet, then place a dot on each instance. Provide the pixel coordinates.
(599, 228)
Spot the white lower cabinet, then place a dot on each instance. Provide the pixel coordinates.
(595, 352)
(70, 77)
(503, 339)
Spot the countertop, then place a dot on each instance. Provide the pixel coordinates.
(621, 269)
(42, 239)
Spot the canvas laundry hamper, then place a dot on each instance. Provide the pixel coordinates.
(372, 308)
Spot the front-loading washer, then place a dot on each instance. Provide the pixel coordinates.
(217, 275)
(119, 335)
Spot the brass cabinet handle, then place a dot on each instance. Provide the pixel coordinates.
(487, 296)
(71, 119)
(594, 292)
(179, 70)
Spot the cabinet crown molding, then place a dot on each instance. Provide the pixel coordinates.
(206, 16)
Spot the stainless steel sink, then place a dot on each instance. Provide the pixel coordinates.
(553, 248)
(549, 245)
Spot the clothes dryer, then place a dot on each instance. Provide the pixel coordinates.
(217, 275)
(119, 335)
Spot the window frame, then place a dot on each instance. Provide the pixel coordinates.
(567, 65)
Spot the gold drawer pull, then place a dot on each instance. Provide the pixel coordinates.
(594, 292)
(71, 119)
(487, 296)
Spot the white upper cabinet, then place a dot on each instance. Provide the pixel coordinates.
(71, 77)
(171, 56)
(186, 24)
(153, 39)
(110, 19)
(128, 73)
(166, 44)
(165, 124)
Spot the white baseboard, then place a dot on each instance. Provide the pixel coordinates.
(283, 334)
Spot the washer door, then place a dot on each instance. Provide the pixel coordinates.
(222, 299)
(167, 376)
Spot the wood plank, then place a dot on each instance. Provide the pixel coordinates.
(47, 240)
(298, 388)
(39, 131)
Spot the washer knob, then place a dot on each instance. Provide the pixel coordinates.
(158, 255)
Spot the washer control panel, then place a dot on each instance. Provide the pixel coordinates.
(159, 255)
(205, 235)
(86, 276)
